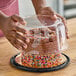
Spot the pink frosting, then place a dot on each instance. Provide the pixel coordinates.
(9, 7)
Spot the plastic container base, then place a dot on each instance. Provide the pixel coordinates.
(18, 66)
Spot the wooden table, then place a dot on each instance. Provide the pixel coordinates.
(7, 51)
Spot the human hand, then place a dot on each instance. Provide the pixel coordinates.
(14, 33)
(53, 16)
(41, 39)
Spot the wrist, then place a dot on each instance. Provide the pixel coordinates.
(39, 8)
(2, 19)
(38, 4)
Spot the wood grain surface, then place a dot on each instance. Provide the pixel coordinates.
(7, 51)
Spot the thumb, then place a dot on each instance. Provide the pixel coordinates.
(17, 18)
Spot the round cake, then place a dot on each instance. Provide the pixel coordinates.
(42, 51)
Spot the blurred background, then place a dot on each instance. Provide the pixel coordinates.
(66, 8)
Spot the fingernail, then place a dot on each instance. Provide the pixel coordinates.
(54, 17)
(23, 22)
(68, 37)
(25, 46)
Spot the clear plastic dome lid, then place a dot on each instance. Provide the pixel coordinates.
(47, 41)
(46, 36)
